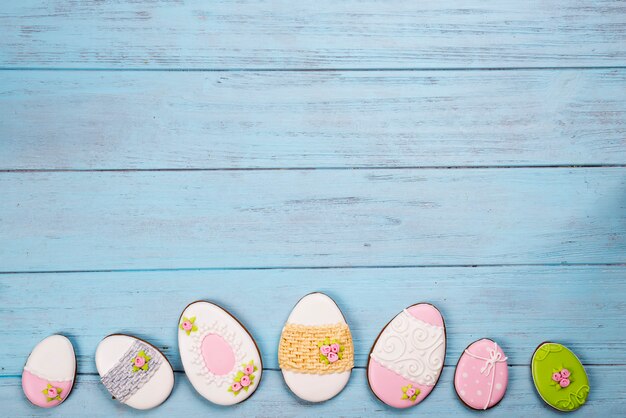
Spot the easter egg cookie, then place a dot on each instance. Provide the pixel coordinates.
(50, 371)
(481, 375)
(559, 377)
(406, 359)
(134, 371)
(219, 355)
(315, 352)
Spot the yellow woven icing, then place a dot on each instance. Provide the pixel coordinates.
(298, 350)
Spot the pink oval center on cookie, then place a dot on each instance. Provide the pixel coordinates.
(218, 355)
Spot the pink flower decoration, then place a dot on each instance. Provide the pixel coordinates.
(236, 387)
(556, 377)
(564, 383)
(410, 392)
(187, 326)
(249, 369)
(565, 373)
(52, 393)
(334, 348)
(245, 381)
(332, 357)
(325, 349)
(139, 361)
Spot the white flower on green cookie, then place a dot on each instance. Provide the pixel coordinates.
(188, 325)
(410, 393)
(244, 378)
(330, 351)
(52, 393)
(140, 362)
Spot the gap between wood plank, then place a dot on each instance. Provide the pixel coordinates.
(330, 69)
(421, 167)
(408, 266)
(448, 366)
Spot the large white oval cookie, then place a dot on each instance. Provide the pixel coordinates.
(220, 357)
(315, 354)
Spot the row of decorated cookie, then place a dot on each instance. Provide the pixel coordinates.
(315, 354)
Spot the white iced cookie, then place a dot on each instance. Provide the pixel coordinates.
(135, 372)
(220, 357)
(49, 373)
(315, 353)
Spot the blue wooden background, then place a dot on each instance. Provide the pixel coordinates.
(471, 154)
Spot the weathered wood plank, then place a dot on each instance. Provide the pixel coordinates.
(90, 398)
(216, 219)
(519, 307)
(320, 34)
(146, 120)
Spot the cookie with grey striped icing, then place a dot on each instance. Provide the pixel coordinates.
(134, 371)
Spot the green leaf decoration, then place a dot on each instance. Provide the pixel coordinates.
(246, 388)
(144, 367)
(192, 319)
(135, 369)
(251, 377)
(404, 396)
(194, 328)
(141, 354)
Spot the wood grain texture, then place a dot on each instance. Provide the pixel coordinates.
(320, 34)
(519, 307)
(90, 398)
(155, 120)
(217, 219)
(274, 103)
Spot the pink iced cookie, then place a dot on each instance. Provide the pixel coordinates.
(481, 375)
(402, 369)
(49, 373)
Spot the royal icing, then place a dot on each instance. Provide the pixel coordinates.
(481, 375)
(315, 353)
(408, 356)
(48, 375)
(559, 377)
(133, 371)
(219, 356)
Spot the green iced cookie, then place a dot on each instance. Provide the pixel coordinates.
(559, 377)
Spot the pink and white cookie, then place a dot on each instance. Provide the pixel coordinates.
(219, 355)
(50, 371)
(481, 375)
(407, 358)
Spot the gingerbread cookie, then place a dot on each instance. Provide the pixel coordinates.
(134, 371)
(50, 371)
(315, 353)
(220, 357)
(406, 359)
(481, 375)
(559, 377)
